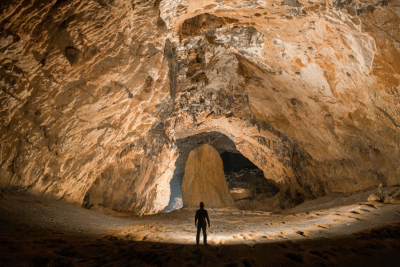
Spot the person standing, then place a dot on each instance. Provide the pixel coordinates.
(200, 222)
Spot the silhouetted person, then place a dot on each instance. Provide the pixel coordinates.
(200, 222)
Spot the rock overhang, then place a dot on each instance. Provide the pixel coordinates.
(308, 102)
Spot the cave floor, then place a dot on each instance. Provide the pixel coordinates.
(336, 230)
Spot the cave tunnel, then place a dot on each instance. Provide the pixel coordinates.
(92, 93)
(234, 162)
(246, 182)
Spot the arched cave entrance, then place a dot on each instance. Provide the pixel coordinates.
(245, 180)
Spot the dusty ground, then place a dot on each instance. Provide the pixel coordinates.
(337, 230)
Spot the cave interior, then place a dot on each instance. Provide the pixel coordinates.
(245, 180)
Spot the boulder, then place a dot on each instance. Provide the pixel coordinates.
(391, 200)
(241, 193)
(204, 180)
(373, 198)
(395, 194)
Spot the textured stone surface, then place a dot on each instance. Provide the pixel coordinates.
(240, 193)
(252, 191)
(374, 197)
(219, 141)
(95, 94)
(204, 180)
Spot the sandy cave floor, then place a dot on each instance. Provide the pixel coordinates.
(336, 230)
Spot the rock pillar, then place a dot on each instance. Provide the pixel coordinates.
(204, 180)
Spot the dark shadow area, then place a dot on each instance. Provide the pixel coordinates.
(41, 247)
(247, 183)
(234, 162)
(28, 238)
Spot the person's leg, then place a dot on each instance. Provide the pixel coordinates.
(205, 234)
(198, 235)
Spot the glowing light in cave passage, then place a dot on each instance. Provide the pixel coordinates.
(175, 201)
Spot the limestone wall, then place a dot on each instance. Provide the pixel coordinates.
(94, 94)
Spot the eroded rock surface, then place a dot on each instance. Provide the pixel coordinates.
(96, 94)
(204, 180)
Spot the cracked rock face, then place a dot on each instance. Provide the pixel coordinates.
(95, 95)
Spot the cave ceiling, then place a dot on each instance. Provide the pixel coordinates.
(96, 94)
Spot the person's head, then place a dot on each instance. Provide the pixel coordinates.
(201, 205)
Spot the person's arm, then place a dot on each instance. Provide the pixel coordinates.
(195, 219)
(208, 219)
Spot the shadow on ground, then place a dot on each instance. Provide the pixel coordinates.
(38, 247)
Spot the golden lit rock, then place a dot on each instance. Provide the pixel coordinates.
(204, 180)
(95, 95)
(374, 198)
(240, 193)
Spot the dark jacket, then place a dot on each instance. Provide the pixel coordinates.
(201, 216)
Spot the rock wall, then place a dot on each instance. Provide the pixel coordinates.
(204, 180)
(84, 94)
(95, 94)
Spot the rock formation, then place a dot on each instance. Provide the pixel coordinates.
(241, 193)
(374, 197)
(96, 94)
(204, 180)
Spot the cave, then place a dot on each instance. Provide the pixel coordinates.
(245, 180)
(102, 102)
(185, 145)
(235, 162)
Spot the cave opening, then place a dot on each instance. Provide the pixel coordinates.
(246, 182)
